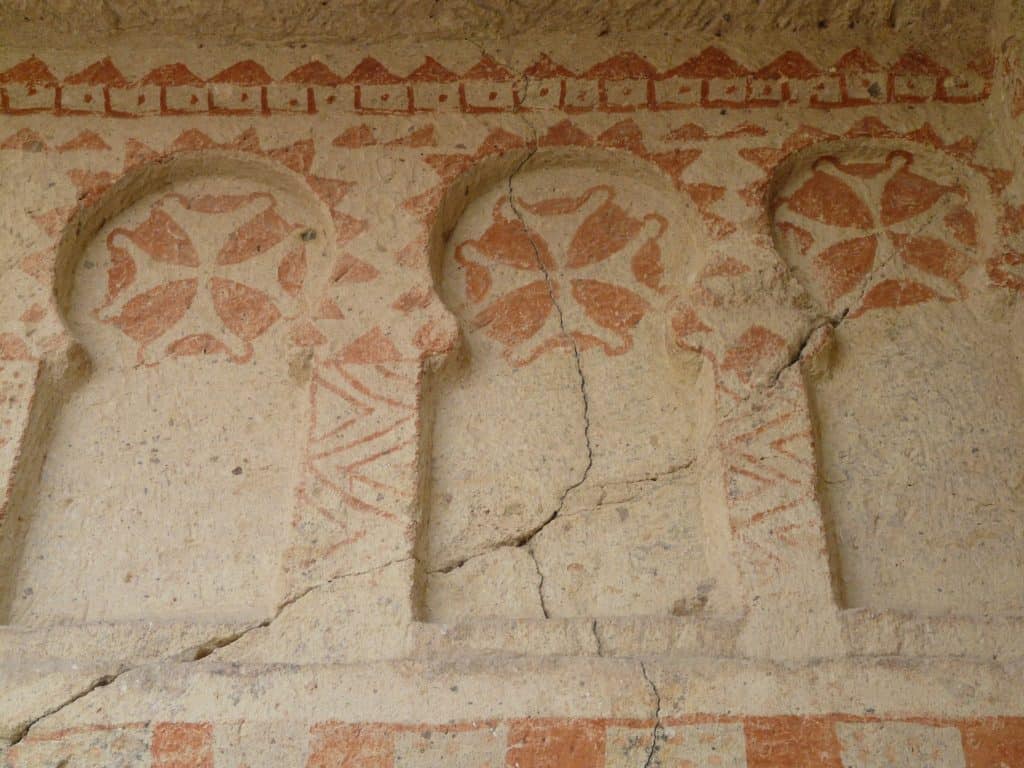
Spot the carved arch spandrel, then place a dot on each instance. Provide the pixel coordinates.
(919, 402)
(512, 250)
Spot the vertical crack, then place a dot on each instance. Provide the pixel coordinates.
(540, 584)
(549, 284)
(524, 539)
(658, 734)
(599, 643)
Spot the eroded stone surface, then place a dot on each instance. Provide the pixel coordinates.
(559, 296)
(504, 582)
(191, 291)
(356, 22)
(910, 453)
(598, 400)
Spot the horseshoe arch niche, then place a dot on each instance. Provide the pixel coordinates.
(167, 483)
(921, 478)
(561, 436)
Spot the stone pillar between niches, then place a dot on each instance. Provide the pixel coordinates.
(777, 518)
(746, 321)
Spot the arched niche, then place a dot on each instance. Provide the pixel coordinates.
(920, 407)
(171, 459)
(561, 434)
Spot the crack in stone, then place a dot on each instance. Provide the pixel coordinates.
(829, 320)
(635, 487)
(525, 539)
(216, 645)
(540, 585)
(802, 346)
(100, 682)
(669, 474)
(759, 391)
(836, 320)
(509, 542)
(597, 637)
(658, 734)
(191, 655)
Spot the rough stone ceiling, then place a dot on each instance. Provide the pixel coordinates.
(72, 23)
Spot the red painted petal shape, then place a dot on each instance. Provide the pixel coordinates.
(246, 311)
(518, 315)
(827, 199)
(610, 306)
(149, 315)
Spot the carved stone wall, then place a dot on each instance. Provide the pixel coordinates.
(607, 402)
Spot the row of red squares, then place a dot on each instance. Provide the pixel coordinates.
(825, 741)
